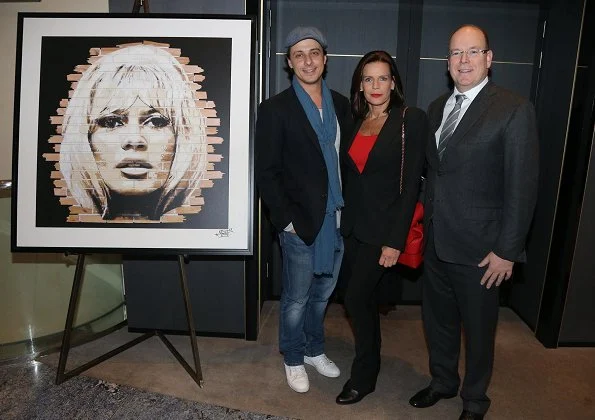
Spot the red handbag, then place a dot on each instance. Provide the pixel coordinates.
(413, 254)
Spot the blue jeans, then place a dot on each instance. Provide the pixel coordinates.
(304, 298)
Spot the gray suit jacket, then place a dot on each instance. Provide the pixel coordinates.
(481, 196)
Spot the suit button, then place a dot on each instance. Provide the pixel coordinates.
(324, 195)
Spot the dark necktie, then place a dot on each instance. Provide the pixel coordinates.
(449, 125)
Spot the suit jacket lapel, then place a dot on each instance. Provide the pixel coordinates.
(472, 115)
(345, 147)
(435, 117)
(390, 131)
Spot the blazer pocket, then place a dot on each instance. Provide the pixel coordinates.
(483, 213)
(481, 140)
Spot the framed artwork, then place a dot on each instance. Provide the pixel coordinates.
(132, 133)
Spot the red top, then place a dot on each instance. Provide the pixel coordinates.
(360, 149)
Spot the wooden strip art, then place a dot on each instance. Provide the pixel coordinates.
(194, 201)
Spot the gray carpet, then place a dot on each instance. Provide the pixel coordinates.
(27, 391)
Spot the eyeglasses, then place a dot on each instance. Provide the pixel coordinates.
(472, 53)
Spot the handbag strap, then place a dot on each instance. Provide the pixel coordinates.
(402, 151)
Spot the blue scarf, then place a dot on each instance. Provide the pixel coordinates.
(327, 241)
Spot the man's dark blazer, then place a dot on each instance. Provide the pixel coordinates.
(375, 211)
(290, 170)
(480, 197)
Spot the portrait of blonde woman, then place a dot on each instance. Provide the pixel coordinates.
(134, 142)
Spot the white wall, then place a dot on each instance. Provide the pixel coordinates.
(8, 35)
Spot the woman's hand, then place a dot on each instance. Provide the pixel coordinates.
(389, 256)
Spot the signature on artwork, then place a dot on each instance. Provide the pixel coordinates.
(224, 233)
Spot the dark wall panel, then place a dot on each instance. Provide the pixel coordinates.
(350, 26)
(342, 23)
(578, 319)
(154, 297)
(578, 325)
(552, 102)
(511, 27)
(433, 81)
(236, 7)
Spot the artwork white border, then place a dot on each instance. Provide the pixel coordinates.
(237, 239)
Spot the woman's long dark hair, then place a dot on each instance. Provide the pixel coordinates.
(359, 105)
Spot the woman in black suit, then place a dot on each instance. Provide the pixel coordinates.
(379, 202)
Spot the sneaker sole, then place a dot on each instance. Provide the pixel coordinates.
(308, 362)
(299, 391)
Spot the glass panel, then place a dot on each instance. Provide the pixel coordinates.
(35, 291)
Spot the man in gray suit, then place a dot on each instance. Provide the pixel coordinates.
(481, 192)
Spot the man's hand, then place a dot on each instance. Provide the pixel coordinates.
(498, 270)
(389, 256)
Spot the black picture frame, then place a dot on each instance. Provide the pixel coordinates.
(71, 191)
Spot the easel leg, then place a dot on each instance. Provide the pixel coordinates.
(72, 305)
(190, 318)
(196, 374)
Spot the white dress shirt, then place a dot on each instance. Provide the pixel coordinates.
(450, 104)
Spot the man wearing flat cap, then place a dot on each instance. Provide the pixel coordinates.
(298, 133)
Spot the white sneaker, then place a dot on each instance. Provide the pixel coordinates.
(297, 378)
(323, 365)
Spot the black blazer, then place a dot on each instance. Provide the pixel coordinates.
(290, 170)
(481, 195)
(375, 212)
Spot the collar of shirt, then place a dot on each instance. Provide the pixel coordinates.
(470, 94)
(450, 104)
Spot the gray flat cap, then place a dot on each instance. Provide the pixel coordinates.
(300, 33)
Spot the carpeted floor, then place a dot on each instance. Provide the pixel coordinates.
(28, 392)
(529, 382)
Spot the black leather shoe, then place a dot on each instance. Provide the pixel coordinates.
(427, 397)
(469, 415)
(350, 395)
